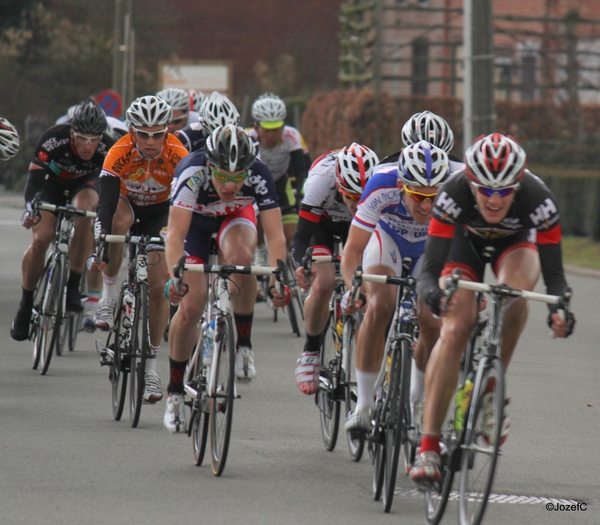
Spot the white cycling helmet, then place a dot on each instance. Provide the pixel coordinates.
(269, 110)
(230, 148)
(9, 140)
(423, 164)
(355, 165)
(495, 161)
(149, 111)
(429, 127)
(196, 99)
(177, 98)
(217, 110)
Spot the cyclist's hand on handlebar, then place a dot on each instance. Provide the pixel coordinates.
(436, 299)
(560, 326)
(351, 307)
(277, 299)
(171, 292)
(301, 277)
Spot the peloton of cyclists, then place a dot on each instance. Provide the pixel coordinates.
(334, 185)
(493, 202)
(214, 191)
(134, 196)
(67, 158)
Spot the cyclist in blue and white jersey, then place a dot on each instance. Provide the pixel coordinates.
(390, 224)
(334, 185)
(214, 191)
(284, 151)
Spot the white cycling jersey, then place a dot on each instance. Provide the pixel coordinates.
(278, 158)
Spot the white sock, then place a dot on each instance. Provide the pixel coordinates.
(366, 388)
(151, 363)
(110, 288)
(417, 384)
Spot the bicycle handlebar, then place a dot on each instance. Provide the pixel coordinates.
(69, 210)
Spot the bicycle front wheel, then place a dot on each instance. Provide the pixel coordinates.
(52, 313)
(199, 416)
(327, 398)
(482, 444)
(355, 445)
(377, 451)
(140, 337)
(119, 367)
(222, 394)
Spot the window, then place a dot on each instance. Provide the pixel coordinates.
(420, 66)
(528, 66)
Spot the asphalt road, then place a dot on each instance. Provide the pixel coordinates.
(64, 460)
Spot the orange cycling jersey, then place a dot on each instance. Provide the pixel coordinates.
(144, 181)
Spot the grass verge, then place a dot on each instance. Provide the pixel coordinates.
(581, 251)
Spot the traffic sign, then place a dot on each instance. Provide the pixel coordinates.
(110, 102)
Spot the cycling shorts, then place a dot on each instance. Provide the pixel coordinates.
(150, 220)
(382, 250)
(197, 241)
(322, 240)
(62, 191)
(287, 199)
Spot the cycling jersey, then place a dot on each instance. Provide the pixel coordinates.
(455, 214)
(142, 181)
(192, 137)
(322, 203)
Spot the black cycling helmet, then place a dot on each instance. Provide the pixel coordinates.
(230, 148)
(88, 117)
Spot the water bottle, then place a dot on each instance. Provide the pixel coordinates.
(210, 330)
(463, 397)
(127, 309)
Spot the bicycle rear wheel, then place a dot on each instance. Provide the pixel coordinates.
(221, 401)
(140, 348)
(52, 314)
(327, 398)
(395, 426)
(482, 444)
(355, 445)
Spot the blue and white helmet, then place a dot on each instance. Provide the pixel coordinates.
(423, 164)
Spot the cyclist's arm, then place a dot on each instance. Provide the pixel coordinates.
(306, 227)
(358, 238)
(35, 181)
(109, 188)
(275, 240)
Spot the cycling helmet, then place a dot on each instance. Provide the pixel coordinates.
(269, 110)
(196, 99)
(495, 160)
(149, 111)
(230, 148)
(217, 110)
(429, 127)
(423, 164)
(353, 168)
(177, 98)
(9, 140)
(88, 117)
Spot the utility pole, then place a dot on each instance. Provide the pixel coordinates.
(123, 51)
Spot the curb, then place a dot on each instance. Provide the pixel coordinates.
(578, 270)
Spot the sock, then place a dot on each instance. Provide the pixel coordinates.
(74, 280)
(312, 344)
(243, 324)
(366, 388)
(92, 300)
(417, 384)
(110, 289)
(430, 444)
(26, 298)
(177, 372)
(151, 361)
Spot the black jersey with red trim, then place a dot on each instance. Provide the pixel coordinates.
(56, 154)
(533, 208)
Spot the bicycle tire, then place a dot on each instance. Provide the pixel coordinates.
(355, 445)
(119, 368)
(377, 450)
(221, 402)
(199, 416)
(291, 312)
(52, 312)
(199, 432)
(139, 350)
(479, 458)
(36, 317)
(63, 334)
(76, 318)
(326, 397)
(396, 427)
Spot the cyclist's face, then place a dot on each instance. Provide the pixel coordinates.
(417, 203)
(495, 208)
(351, 204)
(269, 138)
(226, 190)
(149, 145)
(179, 120)
(85, 145)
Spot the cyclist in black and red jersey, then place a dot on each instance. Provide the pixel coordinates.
(67, 158)
(493, 203)
(9, 140)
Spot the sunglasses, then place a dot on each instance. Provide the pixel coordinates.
(178, 119)
(224, 178)
(145, 135)
(418, 196)
(489, 192)
(95, 139)
(350, 196)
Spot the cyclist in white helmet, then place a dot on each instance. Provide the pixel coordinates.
(333, 187)
(180, 103)
(196, 99)
(134, 196)
(284, 151)
(397, 204)
(9, 140)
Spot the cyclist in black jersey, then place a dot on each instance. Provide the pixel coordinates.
(66, 161)
(493, 203)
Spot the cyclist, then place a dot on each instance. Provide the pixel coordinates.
(213, 192)
(334, 185)
(196, 99)
(283, 150)
(216, 110)
(179, 100)
(66, 160)
(9, 140)
(134, 195)
(390, 224)
(494, 202)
